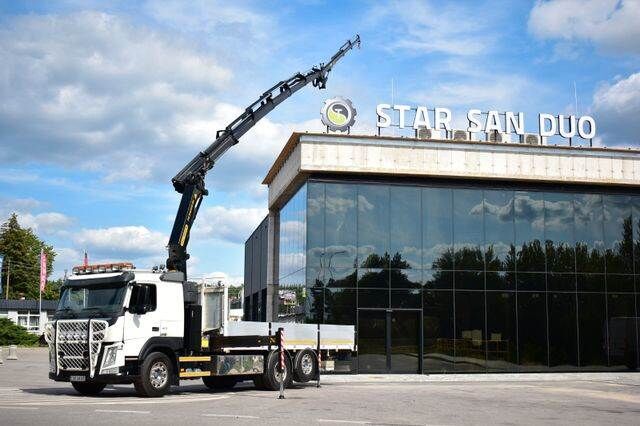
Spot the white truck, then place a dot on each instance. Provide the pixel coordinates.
(116, 324)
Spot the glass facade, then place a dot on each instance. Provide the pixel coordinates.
(441, 278)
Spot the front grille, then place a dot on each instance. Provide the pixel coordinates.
(78, 343)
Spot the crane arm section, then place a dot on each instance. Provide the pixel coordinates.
(190, 180)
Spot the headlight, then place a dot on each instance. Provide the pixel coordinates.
(111, 355)
(49, 332)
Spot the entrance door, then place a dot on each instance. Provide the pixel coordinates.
(389, 341)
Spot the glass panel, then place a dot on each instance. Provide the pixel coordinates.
(372, 341)
(531, 281)
(373, 278)
(437, 228)
(592, 328)
(315, 226)
(405, 341)
(438, 279)
(619, 283)
(589, 232)
(405, 278)
(314, 303)
(373, 298)
(563, 331)
(559, 238)
(340, 306)
(499, 230)
(623, 343)
(469, 280)
(468, 230)
(502, 329)
(293, 217)
(636, 231)
(373, 226)
(501, 280)
(342, 277)
(618, 234)
(529, 222)
(532, 331)
(340, 225)
(405, 226)
(470, 343)
(406, 299)
(590, 282)
(437, 325)
(561, 282)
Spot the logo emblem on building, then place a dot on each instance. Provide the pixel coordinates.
(338, 114)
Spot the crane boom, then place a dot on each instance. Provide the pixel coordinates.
(190, 180)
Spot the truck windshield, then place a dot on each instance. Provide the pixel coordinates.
(91, 301)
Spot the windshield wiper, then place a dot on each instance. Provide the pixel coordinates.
(68, 311)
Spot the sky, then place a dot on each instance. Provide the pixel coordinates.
(102, 103)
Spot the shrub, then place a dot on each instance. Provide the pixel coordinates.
(12, 334)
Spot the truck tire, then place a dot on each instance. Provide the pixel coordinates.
(219, 382)
(271, 377)
(305, 366)
(155, 375)
(89, 389)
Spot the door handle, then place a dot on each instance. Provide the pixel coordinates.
(155, 328)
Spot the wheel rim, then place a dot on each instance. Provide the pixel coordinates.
(306, 364)
(159, 374)
(277, 373)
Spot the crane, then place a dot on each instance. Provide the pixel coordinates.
(190, 180)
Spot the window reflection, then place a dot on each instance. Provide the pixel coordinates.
(468, 230)
(589, 229)
(529, 230)
(533, 256)
(437, 228)
(558, 226)
(499, 230)
(618, 230)
(373, 226)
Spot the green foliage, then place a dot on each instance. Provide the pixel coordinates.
(21, 247)
(12, 334)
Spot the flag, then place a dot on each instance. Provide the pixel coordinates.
(43, 269)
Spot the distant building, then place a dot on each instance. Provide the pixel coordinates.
(26, 313)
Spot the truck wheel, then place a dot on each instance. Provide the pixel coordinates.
(155, 375)
(217, 382)
(305, 366)
(88, 388)
(271, 376)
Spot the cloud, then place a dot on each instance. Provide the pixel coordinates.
(124, 242)
(616, 108)
(129, 103)
(611, 25)
(43, 224)
(422, 27)
(227, 223)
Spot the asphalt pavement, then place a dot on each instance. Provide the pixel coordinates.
(27, 396)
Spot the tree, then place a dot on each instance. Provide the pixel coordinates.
(21, 247)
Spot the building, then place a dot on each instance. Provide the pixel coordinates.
(26, 313)
(454, 256)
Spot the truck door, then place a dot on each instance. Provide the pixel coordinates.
(141, 319)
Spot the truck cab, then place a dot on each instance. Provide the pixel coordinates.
(109, 319)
